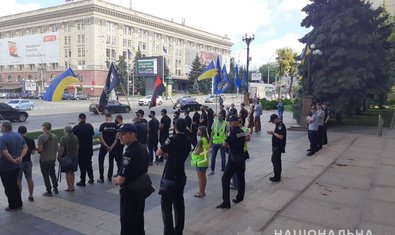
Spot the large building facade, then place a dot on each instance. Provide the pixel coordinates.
(36, 46)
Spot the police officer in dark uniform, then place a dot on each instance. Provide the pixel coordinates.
(153, 128)
(236, 162)
(177, 149)
(279, 139)
(134, 164)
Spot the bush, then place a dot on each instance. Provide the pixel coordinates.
(297, 109)
(269, 104)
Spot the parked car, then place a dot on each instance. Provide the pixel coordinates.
(187, 104)
(3, 95)
(21, 104)
(112, 106)
(147, 100)
(80, 96)
(186, 97)
(12, 96)
(9, 113)
(67, 96)
(41, 95)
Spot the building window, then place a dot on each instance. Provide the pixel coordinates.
(66, 27)
(21, 67)
(80, 25)
(11, 67)
(54, 66)
(110, 27)
(83, 39)
(108, 53)
(124, 42)
(9, 79)
(54, 28)
(142, 46)
(129, 43)
(1, 68)
(19, 78)
(1, 78)
(32, 67)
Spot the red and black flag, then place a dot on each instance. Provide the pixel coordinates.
(159, 88)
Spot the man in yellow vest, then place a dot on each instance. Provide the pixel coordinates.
(217, 138)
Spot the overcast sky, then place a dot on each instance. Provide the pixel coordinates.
(275, 23)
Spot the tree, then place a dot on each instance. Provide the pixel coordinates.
(288, 66)
(353, 68)
(139, 82)
(195, 72)
(122, 70)
(272, 67)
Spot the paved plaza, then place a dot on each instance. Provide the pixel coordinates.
(349, 185)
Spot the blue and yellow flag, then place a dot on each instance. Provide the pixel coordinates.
(209, 72)
(57, 86)
(236, 78)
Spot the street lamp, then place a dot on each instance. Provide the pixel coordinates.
(247, 39)
(315, 52)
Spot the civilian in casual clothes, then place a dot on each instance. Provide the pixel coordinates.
(48, 149)
(84, 131)
(312, 121)
(321, 120)
(195, 125)
(232, 110)
(326, 119)
(257, 116)
(243, 114)
(188, 119)
(117, 147)
(142, 128)
(13, 147)
(251, 118)
(27, 163)
(153, 138)
(69, 145)
(210, 119)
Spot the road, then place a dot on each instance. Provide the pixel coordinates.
(66, 112)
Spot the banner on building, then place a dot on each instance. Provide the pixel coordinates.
(30, 49)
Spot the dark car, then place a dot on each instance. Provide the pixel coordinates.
(9, 113)
(67, 96)
(187, 104)
(80, 96)
(112, 106)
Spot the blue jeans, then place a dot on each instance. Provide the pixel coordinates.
(214, 151)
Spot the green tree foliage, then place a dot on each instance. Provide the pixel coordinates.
(272, 67)
(195, 72)
(288, 65)
(122, 70)
(354, 67)
(139, 82)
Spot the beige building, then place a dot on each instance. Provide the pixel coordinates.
(87, 36)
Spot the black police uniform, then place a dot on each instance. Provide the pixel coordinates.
(108, 130)
(235, 164)
(134, 164)
(196, 120)
(278, 147)
(178, 148)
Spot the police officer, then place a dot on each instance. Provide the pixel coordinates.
(177, 149)
(236, 162)
(279, 138)
(153, 128)
(134, 164)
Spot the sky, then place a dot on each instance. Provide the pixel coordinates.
(274, 23)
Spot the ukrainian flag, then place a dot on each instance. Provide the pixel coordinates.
(57, 86)
(209, 72)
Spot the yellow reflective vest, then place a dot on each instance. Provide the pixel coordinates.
(219, 132)
(201, 159)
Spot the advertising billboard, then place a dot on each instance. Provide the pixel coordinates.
(30, 49)
(149, 66)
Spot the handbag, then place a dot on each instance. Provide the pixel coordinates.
(167, 187)
(64, 160)
(142, 186)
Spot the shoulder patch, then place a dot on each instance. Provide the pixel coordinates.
(280, 128)
(125, 161)
(167, 141)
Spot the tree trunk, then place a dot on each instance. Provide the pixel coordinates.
(290, 88)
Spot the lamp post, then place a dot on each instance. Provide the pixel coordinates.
(247, 39)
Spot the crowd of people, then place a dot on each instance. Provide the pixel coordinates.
(137, 145)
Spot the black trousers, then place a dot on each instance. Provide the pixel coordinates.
(313, 137)
(48, 172)
(11, 189)
(163, 137)
(85, 163)
(175, 201)
(118, 154)
(152, 147)
(320, 136)
(230, 169)
(324, 136)
(132, 213)
(276, 161)
(102, 155)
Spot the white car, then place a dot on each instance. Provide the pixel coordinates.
(21, 104)
(147, 100)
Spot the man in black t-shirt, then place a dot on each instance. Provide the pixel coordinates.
(117, 147)
(164, 126)
(236, 162)
(188, 119)
(84, 131)
(279, 139)
(203, 117)
(142, 128)
(27, 164)
(210, 119)
(177, 149)
(176, 116)
(107, 139)
(153, 128)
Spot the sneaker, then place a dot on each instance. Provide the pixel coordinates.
(211, 173)
(274, 179)
(13, 209)
(31, 198)
(223, 206)
(82, 184)
(310, 154)
(90, 181)
(48, 194)
(100, 180)
(55, 190)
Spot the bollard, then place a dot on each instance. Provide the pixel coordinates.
(380, 126)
